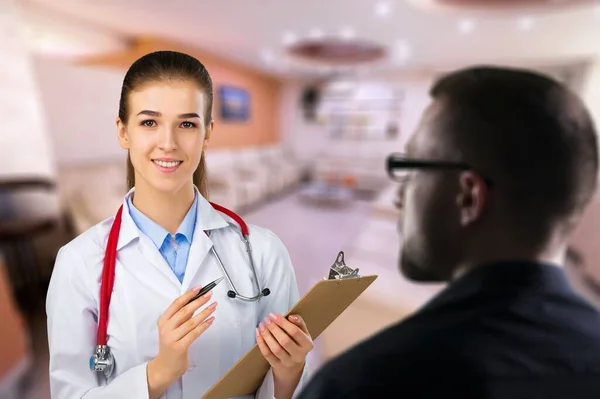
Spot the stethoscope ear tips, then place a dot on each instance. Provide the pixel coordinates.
(231, 294)
(266, 292)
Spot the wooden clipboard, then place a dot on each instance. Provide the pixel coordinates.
(319, 308)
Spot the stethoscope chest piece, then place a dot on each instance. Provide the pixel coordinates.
(103, 360)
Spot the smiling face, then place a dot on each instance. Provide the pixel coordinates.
(165, 134)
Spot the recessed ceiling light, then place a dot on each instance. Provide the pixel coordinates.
(347, 33)
(402, 51)
(267, 56)
(315, 33)
(466, 26)
(383, 9)
(525, 23)
(288, 38)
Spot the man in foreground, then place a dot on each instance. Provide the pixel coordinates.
(494, 180)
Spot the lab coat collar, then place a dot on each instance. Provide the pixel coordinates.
(207, 218)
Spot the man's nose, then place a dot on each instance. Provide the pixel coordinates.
(399, 199)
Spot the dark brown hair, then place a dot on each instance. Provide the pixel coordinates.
(162, 66)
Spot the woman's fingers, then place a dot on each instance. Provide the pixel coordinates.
(184, 329)
(186, 312)
(177, 304)
(196, 332)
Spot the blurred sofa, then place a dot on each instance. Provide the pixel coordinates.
(237, 179)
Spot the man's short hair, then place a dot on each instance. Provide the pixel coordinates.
(533, 136)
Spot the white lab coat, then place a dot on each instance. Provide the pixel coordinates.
(144, 287)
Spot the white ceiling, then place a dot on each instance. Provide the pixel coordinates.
(246, 31)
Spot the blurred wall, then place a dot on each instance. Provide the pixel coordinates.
(24, 144)
(586, 236)
(311, 140)
(590, 89)
(81, 105)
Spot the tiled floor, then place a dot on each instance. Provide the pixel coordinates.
(312, 235)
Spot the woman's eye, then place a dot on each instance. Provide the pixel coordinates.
(188, 125)
(148, 123)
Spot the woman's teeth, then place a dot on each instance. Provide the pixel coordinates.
(167, 164)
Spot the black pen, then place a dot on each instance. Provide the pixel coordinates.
(205, 289)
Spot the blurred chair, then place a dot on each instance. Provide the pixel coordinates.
(254, 175)
(236, 179)
(92, 193)
(284, 165)
(15, 360)
(19, 228)
(222, 179)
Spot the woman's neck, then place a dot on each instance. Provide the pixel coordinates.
(166, 209)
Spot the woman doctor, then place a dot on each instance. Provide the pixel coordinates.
(162, 346)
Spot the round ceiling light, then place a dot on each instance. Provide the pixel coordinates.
(336, 52)
(461, 5)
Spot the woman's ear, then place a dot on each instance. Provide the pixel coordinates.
(122, 134)
(207, 134)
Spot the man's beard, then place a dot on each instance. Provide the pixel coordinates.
(416, 266)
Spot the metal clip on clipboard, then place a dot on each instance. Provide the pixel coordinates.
(339, 270)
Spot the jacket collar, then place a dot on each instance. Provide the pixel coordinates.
(207, 218)
(504, 279)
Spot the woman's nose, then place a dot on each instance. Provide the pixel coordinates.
(167, 140)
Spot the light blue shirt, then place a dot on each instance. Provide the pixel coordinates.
(174, 251)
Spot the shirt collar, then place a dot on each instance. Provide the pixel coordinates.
(203, 218)
(155, 231)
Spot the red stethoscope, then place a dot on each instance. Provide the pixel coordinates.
(103, 360)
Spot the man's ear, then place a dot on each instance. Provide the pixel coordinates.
(122, 134)
(472, 197)
(207, 134)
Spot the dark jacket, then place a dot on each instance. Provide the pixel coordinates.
(510, 330)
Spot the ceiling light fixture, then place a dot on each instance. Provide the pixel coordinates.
(267, 56)
(288, 38)
(525, 23)
(383, 9)
(402, 52)
(466, 26)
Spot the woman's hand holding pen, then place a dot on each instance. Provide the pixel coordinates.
(284, 344)
(177, 331)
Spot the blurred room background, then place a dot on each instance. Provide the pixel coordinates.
(310, 97)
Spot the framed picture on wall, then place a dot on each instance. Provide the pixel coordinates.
(234, 103)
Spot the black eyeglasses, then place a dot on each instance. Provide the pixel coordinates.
(398, 166)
